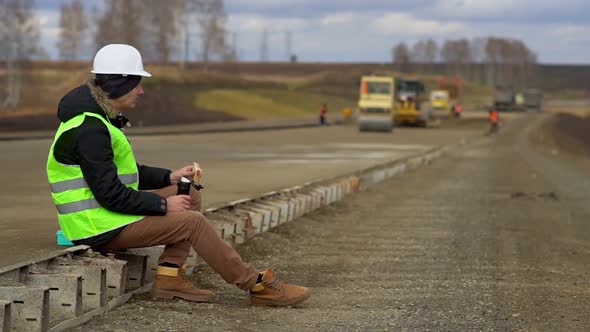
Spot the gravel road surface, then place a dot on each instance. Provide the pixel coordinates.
(493, 237)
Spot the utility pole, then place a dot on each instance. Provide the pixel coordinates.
(235, 45)
(264, 46)
(186, 44)
(288, 41)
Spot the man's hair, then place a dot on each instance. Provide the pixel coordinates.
(116, 85)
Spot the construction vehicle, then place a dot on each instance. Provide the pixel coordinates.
(454, 89)
(507, 99)
(504, 99)
(440, 101)
(376, 106)
(409, 101)
(532, 100)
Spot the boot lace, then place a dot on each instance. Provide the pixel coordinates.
(275, 283)
(185, 279)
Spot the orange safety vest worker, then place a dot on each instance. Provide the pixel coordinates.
(494, 117)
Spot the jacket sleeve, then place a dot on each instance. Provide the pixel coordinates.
(153, 177)
(93, 147)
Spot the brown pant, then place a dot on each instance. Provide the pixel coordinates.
(181, 230)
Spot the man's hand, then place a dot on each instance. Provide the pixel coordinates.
(187, 171)
(178, 203)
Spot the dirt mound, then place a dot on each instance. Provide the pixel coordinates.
(565, 133)
(172, 105)
(575, 128)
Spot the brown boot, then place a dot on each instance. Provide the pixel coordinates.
(172, 282)
(275, 293)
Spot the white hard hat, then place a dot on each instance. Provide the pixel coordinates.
(118, 59)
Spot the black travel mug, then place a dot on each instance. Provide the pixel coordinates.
(184, 186)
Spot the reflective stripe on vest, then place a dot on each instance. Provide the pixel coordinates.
(80, 214)
(78, 206)
(79, 183)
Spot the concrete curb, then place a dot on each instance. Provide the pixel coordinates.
(67, 288)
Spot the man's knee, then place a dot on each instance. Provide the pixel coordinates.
(193, 224)
(196, 220)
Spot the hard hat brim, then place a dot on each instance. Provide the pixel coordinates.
(145, 74)
(139, 73)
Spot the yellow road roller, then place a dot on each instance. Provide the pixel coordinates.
(376, 106)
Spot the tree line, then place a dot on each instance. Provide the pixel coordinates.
(155, 27)
(161, 30)
(490, 60)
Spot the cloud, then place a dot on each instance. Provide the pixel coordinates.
(48, 21)
(478, 8)
(245, 23)
(509, 11)
(401, 24)
(338, 18)
(572, 33)
(268, 3)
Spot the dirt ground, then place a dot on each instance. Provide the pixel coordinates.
(488, 238)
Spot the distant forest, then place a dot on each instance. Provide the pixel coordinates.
(491, 60)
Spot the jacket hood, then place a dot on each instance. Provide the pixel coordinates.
(85, 98)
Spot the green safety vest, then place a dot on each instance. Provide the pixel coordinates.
(79, 213)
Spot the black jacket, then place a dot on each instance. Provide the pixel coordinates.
(89, 146)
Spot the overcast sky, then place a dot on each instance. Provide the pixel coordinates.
(366, 30)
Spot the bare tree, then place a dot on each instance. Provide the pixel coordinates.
(153, 27)
(158, 37)
(457, 55)
(509, 62)
(448, 53)
(477, 49)
(425, 53)
(401, 57)
(211, 19)
(419, 52)
(121, 22)
(231, 51)
(72, 23)
(19, 42)
(491, 60)
(431, 53)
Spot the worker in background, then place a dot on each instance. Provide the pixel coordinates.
(323, 115)
(346, 114)
(494, 118)
(107, 201)
(458, 110)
